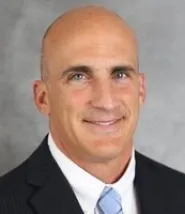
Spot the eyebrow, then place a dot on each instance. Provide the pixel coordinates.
(89, 70)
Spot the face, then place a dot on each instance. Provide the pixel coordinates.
(94, 94)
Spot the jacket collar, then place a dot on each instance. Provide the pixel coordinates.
(54, 194)
(150, 190)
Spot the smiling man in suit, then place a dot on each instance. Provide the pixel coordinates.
(92, 92)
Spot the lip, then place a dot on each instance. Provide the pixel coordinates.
(104, 126)
(103, 122)
(111, 121)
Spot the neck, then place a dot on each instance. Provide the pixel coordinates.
(108, 171)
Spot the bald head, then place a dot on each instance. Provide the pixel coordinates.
(80, 21)
(96, 21)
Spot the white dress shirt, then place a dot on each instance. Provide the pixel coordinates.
(88, 188)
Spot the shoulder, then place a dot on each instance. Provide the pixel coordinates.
(159, 184)
(14, 191)
(165, 174)
(13, 181)
(18, 176)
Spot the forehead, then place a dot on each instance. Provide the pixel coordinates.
(93, 48)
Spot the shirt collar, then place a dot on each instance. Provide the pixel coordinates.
(86, 187)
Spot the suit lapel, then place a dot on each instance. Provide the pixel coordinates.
(149, 187)
(53, 193)
(55, 198)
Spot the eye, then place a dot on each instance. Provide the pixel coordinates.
(77, 77)
(119, 74)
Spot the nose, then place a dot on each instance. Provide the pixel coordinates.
(104, 95)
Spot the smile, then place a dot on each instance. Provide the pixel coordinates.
(104, 123)
(104, 127)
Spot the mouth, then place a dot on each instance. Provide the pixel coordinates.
(105, 126)
(103, 123)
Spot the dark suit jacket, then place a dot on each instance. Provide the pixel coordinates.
(39, 187)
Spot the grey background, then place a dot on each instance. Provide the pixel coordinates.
(160, 28)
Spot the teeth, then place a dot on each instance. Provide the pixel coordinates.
(105, 123)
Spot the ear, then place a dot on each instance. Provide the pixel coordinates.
(142, 88)
(40, 94)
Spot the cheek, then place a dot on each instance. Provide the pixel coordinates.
(79, 98)
(129, 95)
(76, 101)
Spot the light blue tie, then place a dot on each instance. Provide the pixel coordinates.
(109, 202)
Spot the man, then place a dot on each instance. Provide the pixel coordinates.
(92, 92)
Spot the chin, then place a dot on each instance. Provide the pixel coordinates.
(106, 157)
(105, 152)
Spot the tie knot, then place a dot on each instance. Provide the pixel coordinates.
(109, 202)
